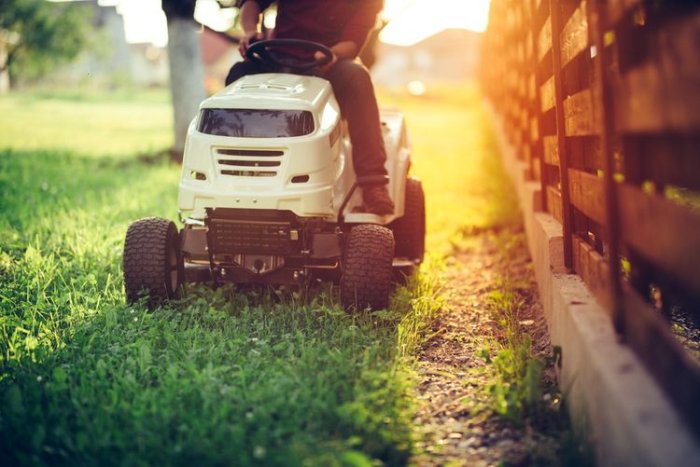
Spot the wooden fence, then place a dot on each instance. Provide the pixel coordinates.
(601, 100)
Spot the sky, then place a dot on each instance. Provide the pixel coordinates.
(410, 20)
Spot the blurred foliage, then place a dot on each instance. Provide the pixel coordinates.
(40, 35)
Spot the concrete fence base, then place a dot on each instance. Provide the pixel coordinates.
(612, 399)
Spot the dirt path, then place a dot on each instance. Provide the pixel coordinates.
(460, 427)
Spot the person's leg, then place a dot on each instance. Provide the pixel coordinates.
(240, 69)
(353, 88)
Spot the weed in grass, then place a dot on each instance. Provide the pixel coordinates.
(518, 393)
(417, 303)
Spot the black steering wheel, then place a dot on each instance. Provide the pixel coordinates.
(277, 54)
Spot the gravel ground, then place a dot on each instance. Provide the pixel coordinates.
(460, 428)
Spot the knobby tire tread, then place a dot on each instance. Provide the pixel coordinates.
(367, 274)
(146, 262)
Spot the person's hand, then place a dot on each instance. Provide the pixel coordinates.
(318, 55)
(247, 39)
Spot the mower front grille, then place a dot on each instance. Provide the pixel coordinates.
(250, 163)
(249, 173)
(271, 238)
(257, 162)
(250, 152)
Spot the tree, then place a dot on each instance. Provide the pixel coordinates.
(186, 68)
(35, 36)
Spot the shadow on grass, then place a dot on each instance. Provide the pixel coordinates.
(216, 378)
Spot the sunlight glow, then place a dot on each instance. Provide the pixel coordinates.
(416, 88)
(411, 21)
(144, 20)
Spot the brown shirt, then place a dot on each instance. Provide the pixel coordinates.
(325, 21)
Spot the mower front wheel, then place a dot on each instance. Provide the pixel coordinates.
(152, 261)
(367, 272)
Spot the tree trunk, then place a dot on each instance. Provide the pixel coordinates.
(6, 55)
(4, 76)
(186, 76)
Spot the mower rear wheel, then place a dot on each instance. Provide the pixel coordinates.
(367, 272)
(409, 230)
(152, 261)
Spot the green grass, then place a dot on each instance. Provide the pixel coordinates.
(518, 390)
(517, 386)
(224, 376)
(221, 375)
(456, 156)
(93, 124)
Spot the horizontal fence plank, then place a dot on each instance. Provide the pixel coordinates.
(536, 168)
(574, 35)
(529, 46)
(525, 119)
(532, 87)
(547, 95)
(539, 14)
(663, 232)
(520, 53)
(580, 117)
(551, 149)
(524, 153)
(663, 93)
(587, 194)
(522, 87)
(534, 128)
(554, 204)
(646, 106)
(593, 269)
(544, 39)
(650, 337)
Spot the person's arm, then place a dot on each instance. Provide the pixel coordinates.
(355, 33)
(250, 21)
(341, 50)
(357, 28)
(345, 49)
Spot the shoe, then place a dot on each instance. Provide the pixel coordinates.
(377, 201)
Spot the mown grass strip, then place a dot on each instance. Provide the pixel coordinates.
(215, 378)
(221, 376)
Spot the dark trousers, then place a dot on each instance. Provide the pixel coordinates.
(354, 91)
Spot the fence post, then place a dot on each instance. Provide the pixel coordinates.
(597, 20)
(537, 146)
(567, 214)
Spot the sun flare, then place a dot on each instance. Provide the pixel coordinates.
(413, 20)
